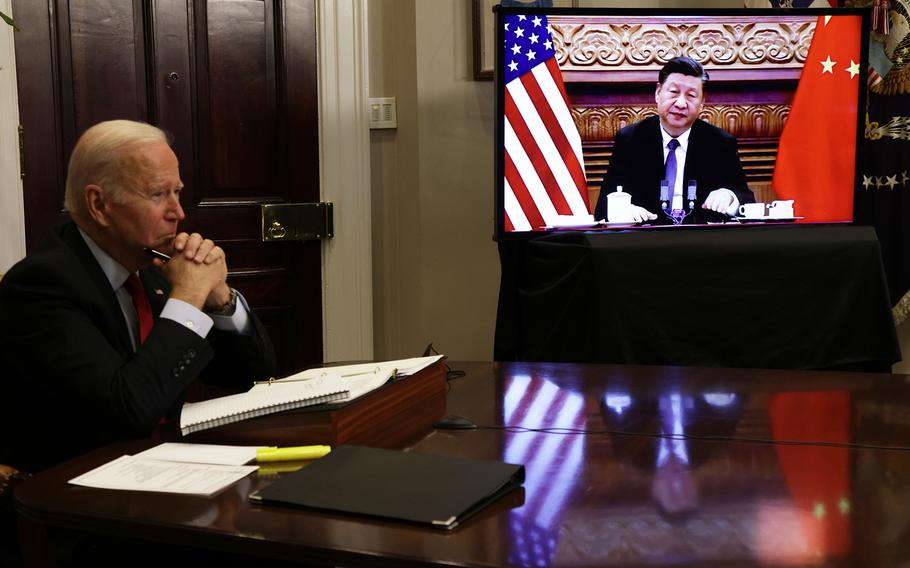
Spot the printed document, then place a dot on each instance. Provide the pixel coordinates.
(141, 474)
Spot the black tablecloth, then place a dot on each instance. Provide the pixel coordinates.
(771, 297)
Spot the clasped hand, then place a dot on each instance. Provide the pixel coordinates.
(197, 272)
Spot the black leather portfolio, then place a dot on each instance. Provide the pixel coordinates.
(438, 491)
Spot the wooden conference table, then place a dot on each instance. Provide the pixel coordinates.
(769, 468)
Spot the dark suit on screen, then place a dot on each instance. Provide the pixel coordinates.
(71, 381)
(637, 165)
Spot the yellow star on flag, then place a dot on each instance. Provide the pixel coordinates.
(853, 70)
(828, 65)
(844, 506)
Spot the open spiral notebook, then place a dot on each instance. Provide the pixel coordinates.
(277, 397)
(307, 388)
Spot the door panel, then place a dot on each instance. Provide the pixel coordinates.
(236, 93)
(105, 43)
(44, 164)
(170, 67)
(238, 80)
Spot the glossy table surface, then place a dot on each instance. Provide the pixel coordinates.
(626, 465)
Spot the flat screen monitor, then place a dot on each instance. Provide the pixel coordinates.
(670, 118)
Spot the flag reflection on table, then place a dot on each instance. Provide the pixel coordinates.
(552, 461)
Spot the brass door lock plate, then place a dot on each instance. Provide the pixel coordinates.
(297, 221)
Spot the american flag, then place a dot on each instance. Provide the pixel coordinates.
(544, 166)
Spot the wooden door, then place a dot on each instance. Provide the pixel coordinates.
(233, 82)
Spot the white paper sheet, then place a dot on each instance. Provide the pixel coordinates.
(201, 453)
(139, 474)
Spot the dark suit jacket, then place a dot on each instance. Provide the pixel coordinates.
(70, 380)
(638, 166)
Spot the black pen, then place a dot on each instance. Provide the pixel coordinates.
(155, 254)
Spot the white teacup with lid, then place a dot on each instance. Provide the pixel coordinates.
(619, 206)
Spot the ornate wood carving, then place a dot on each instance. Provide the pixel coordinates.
(725, 43)
(600, 123)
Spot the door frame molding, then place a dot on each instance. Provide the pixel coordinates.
(12, 206)
(344, 164)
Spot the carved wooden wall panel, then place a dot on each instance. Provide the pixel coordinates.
(600, 123)
(637, 46)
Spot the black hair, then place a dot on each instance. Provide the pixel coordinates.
(683, 66)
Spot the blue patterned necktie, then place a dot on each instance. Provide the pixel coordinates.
(670, 168)
(670, 176)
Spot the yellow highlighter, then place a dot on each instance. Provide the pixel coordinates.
(275, 454)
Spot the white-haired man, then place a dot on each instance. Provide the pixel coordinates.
(99, 340)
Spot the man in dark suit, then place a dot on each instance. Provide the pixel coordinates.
(88, 353)
(676, 143)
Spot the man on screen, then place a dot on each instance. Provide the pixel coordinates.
(704, 178)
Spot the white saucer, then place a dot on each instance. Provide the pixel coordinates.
(767, 219)
(579, 225)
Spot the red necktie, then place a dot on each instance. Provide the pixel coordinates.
(143, 309)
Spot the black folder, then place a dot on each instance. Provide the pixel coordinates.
(438, 491)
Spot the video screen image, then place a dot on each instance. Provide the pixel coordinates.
(673, 118)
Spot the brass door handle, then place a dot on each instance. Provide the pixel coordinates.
(276, 231)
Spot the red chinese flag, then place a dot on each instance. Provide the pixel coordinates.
(815, 162)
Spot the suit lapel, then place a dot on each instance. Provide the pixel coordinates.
(656, 142)
(693, 156)
(93, 279)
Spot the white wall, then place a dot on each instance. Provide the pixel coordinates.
(12, 227)
(460, 262)
(436, 268)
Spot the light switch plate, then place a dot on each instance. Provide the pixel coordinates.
(383, 113)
